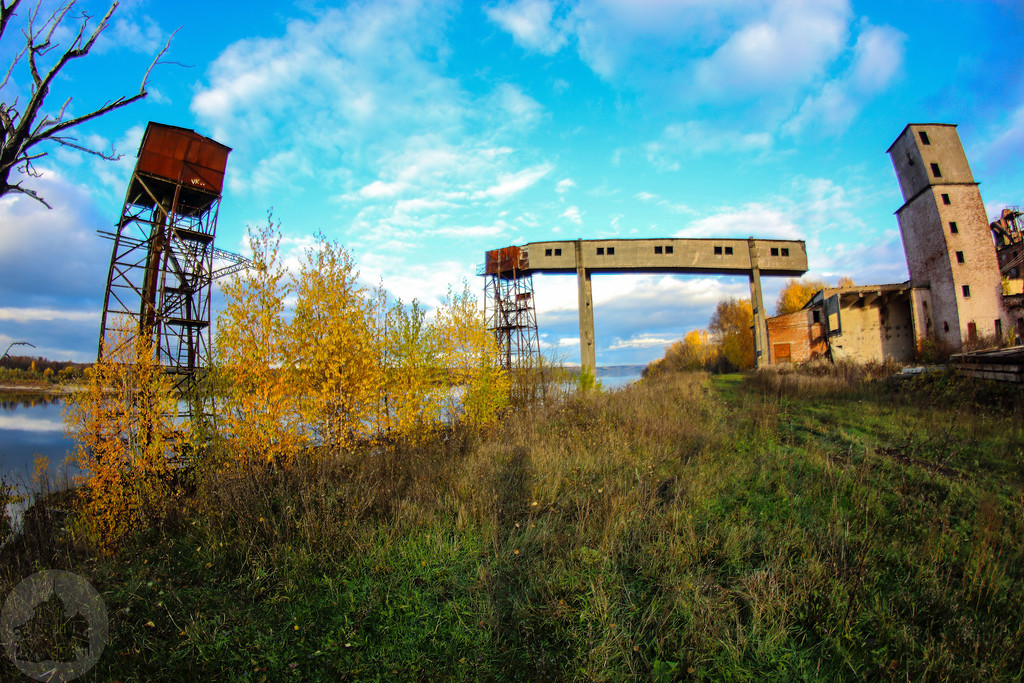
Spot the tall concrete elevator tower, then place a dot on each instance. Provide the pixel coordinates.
(946, 237)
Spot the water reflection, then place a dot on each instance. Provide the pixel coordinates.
(31, 426)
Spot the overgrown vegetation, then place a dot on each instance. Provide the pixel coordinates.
(40, 371)
(825, 526)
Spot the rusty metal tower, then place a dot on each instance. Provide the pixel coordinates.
(164, 260)
(509, 308)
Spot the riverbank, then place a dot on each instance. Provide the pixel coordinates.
(39, 388)
(766, 527)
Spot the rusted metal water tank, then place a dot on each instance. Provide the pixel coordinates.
(178, 163)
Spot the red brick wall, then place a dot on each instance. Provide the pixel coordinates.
(805, 338)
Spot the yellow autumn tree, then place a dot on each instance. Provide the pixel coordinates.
(125, 437)
(470, 353)
(694, 352)
(731, 326)
(412, 392)
(329, 350)
(796, 294)
(259, 419)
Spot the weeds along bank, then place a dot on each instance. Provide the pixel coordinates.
(690, 527)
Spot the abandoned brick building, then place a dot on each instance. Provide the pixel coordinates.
(964, 272)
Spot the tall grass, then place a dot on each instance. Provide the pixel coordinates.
(767, 527)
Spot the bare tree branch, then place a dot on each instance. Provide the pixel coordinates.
(22, 128)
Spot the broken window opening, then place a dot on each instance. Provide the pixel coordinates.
(558, 252)
(657, 250)
(966, 289)
(611, 251)
(959, 257)
(718, 251)
(952, 226)
(600, 251)
(945, 199)
(728, 251)
(935, 171)
(785, 251)
(924, 138)
(775, 251)
(547, 252)
(668, 249)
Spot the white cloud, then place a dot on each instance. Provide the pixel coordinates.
(641, 342)
(473, 231)
(791, 46)
(379, 189)
(661, 201)
(521, 111)
(565, 185)
(530, 23)
(515, 183)
(573, 214)
(25, 315)
(692, 139)
(755, 218)
(877, 60)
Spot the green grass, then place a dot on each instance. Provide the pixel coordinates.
(707, 528)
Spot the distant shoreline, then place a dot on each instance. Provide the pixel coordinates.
(41, 389)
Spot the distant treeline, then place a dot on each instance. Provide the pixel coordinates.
(39, 365)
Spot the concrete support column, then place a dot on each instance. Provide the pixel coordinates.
(588, 354)
(756, 301)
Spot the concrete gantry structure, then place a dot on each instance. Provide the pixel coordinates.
(750, 257)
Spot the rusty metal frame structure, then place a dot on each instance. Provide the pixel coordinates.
(162, 266)
(509, 310)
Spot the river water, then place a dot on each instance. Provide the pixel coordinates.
(31, 427)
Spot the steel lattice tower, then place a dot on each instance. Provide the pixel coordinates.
(162, 265)
(509, 309)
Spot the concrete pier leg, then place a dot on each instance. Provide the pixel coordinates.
(757, 303)
(588, 354)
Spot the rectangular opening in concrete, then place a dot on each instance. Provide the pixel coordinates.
(966, 289)
(952, 226)
(718, 251)
(785, 251)
(600, 251)
(728, 251)
(972, 331)
(611, 251)
(924, 138)
(657, 250)
(558, 252)
(945, 200)
(935, 171)
(775, 251)
(959, 257)
(547, 252)
(668, 249)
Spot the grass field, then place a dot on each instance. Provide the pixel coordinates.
(776, 526)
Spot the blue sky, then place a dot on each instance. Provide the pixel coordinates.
(422, 134)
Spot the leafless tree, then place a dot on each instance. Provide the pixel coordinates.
(23, 127)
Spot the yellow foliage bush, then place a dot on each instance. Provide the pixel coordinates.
(123, 425)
